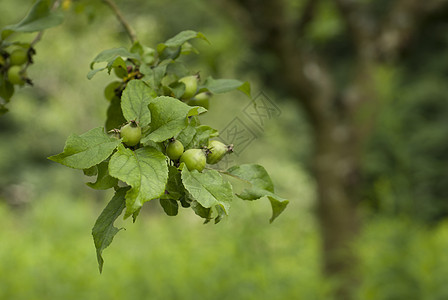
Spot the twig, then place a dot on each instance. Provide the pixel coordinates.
(41, 33)
(129, 31)
(37, 38)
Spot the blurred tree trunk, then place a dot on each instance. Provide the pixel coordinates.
(341, 116)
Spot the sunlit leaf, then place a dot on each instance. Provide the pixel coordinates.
(135, 100)
(168, 118)
(260, 185)
(86, 150)
(208, 188)
(145, 170)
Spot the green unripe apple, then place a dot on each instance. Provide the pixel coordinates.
(216, 151)
(201, 99)
(194, 159)
(15, 75)
(175, 149)
(131, 133)
(18, 57)
(191, 86)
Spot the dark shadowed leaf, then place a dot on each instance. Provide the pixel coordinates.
(170, 206)
(104, 181)
(104, 230)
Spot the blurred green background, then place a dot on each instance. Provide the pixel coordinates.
(47, 212)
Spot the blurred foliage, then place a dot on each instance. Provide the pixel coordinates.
(407, 159)
(158, 257)
(179, 258)
(403, 260)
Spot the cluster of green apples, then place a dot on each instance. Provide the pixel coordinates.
(194, 159)
(13, 64)
(131, 132)
(190, 95)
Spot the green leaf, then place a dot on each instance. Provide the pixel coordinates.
(115, 117)
(220, 214)
(169, 52)
(155, 75)
(208, 188)
(202, 135)
(3, 109)
(145, 170)
(278, 206)
(182, 37)
(195, 110)
(170, 206)
(110, 55)
(137, 47)
(178, 69)
(196, 136)
(86, 150)
(117, 62)
(256, 175)
(104, 181)
(113, 89)
(6, 89)
(172, 48)
(174, 187)
(187, 134)
(92, 171)
(40, 17)
(93, 72)
(205, 213)
(184, 201)
(169, 117)
(188, 48)
(134, 102)
(135, 215)
(146, 53)
(177, 89)
(112, 62)
(261, 185)
(104, 230)
(220, 86)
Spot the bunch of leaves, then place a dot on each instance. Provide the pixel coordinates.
(151, 94)
(16, 56)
